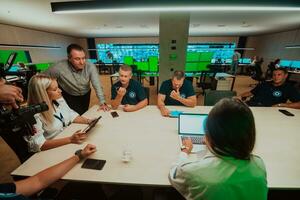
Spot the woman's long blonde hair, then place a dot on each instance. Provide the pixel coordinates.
(37, 93)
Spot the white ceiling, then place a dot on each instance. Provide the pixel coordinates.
(37, 14)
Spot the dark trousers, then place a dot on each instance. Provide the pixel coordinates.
(80, 104)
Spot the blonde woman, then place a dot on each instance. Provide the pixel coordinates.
(50, 123)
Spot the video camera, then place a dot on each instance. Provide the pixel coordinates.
(14, 119)
(16, 124)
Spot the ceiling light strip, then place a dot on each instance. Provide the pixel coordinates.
(175, 9)
(25, 46)
(292, 47)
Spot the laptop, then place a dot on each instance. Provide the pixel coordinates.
(191, 125)
(91, 125)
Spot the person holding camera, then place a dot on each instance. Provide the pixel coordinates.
(10, 94)
(50, 123)
(29, 186)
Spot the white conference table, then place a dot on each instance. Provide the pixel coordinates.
(154, 144)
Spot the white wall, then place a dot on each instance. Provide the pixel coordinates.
(23, 36)
(272, 46)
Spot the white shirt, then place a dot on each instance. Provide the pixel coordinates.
(213, 177)
(63, 116)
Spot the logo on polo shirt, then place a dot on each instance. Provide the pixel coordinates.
(277, 93)
(132, 94)
(182, 95)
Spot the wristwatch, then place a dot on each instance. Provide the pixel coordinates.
(78, 153)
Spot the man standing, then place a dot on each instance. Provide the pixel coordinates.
(74, 76)
(274, 93)
(176, 91)
(235, 62)
(128, 92)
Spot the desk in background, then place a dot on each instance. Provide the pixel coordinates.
(153, 141)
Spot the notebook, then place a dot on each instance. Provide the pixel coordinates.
(191, 125)
(91, 125)
(175, 113)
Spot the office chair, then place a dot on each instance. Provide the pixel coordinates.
(147, 92)
(256, 74)
(103, 69)
(213, 96)
(115, 67)
(207, 80)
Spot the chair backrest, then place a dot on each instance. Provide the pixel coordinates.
(147, 92)
(207, 80)
(213, 96)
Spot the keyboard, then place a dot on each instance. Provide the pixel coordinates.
(195, 139)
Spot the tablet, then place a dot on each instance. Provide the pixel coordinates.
(91, 125)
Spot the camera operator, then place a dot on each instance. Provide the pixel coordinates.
(10, 94)
(43, 179)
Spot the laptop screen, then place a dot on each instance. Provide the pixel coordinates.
(191, 124)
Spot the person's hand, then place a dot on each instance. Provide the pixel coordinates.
(188, 145)
(121, 91)
(175, 94)
(88, 150)
(104, 107)
(78, 137)
(10, 95)
(165, 112)
(128, 108)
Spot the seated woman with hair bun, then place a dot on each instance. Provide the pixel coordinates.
(50, 123)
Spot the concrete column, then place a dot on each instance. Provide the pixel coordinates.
(173, 38)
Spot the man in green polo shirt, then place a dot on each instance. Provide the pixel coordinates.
(128, 92)
(176, 91)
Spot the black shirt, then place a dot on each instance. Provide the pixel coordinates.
(134, 92)
(266, 94)
(8, 191)
(185, 91)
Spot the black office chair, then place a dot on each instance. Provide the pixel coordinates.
(257, 74)
(147, 92)
(213, 96)
(207, 81)
(103, 69)
(115, 67)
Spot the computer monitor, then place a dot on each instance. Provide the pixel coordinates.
(296, 64)
(10, 60)
(14, 68)
(285, 63)
(228, 61)
(246, 60)
(92, 60)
